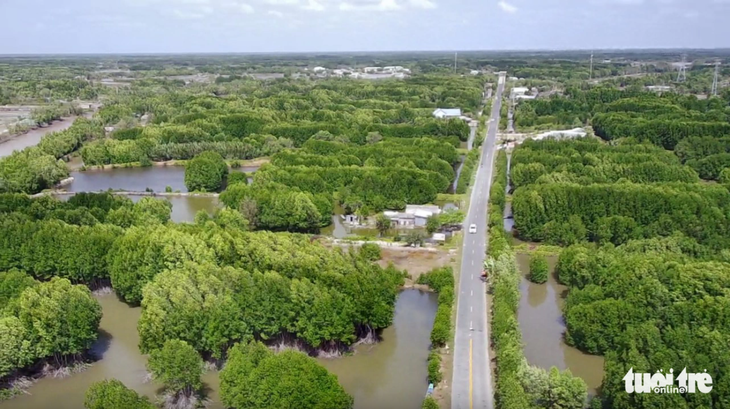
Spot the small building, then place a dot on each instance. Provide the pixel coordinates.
(659, 88)
(520, 90)
(447, 113)
(474, 72)
(439, 237)
(400, 219)
(371, 70)
(319, 69)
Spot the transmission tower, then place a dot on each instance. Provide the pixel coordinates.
(682, 74)
(456, 54)
(591, 65)
(715, 79)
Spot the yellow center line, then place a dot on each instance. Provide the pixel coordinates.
(471, 380)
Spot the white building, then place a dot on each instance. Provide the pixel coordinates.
(413, 216)
(447, 113)
(319, 69)
(474, 72)
(371, 70)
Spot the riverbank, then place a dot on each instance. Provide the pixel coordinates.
(232, 164)
(17, 142)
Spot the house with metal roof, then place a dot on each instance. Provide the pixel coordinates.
(447, 113)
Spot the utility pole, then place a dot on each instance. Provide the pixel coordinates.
(715, 79)
(682, 74)
(591, 64)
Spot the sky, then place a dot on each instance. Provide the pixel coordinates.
(182, 26)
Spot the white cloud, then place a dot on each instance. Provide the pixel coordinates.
(424, 4)
(313, 5)
(281, 2)
(275, 13)
(245, 8)
(506, 7)
(187, 15)
(382, 5)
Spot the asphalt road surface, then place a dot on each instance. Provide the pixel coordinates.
(472, 382)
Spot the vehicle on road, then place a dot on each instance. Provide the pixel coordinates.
(473, 228)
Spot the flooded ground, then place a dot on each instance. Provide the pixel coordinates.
(378, 376)
(33, 137)
(541, 320)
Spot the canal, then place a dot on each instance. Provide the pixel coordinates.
(391, 373)
(540, 316)
(32, 137)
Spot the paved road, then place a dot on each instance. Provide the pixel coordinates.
(472, 382)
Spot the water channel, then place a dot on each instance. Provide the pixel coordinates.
(391, 373)
(541, 320)
(32, 137)
(155, 178)
(540, 316)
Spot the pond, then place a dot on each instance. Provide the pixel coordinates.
(391, 373)
(156, 178)
(541, 322)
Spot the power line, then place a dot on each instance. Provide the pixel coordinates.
(715, 79)
(682, 74)
(591, 65)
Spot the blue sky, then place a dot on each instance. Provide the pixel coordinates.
(148, 26)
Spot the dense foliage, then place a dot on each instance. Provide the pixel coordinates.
(112, 394)
(538, 269)
(255, 377)
(265, 285)
(178, 367)
(571, 191)
(52, 321)
(441, 280)
(681, 324)
(206, 172)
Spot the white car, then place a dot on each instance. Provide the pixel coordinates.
(473, 228)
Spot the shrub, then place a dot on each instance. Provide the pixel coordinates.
(371, 251)
(538, 269)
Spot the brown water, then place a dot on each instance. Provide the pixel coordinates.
(33, 137)
(156, 178)
(389, 374)
(184, 208)
(541, 321)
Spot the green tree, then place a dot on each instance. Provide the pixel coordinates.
(15, 346)
(177, 366)
(371, 251)
(12, 284)
(206, 172)
(433, 223)
(255, 377)
(382, 223)
(61, 319)
(430, 403)
(112, 394)
(538, 269)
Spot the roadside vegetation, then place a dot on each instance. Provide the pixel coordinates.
(635, 216)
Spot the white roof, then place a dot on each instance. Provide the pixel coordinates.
(449, 111)
(519, 90)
